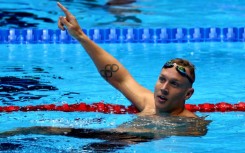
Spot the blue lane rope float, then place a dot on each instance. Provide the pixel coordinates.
(126, 35)
(120, 109)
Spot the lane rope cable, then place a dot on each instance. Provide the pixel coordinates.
(125, 35)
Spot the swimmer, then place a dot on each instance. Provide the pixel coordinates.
(162, 112)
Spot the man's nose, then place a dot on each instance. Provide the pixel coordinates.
(165, 88)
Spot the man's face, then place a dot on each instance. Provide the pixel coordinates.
(171, 90)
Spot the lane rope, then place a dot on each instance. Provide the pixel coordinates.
(126, 35)
(120, 109)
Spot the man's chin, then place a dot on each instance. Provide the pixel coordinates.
(160, 106)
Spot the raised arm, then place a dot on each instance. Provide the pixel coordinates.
(109, 67)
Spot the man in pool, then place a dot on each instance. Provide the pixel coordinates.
(173, 87)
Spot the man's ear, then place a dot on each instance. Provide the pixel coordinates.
(189, 93)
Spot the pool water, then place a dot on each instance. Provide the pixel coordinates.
(43, 14)
(68, 70)
(63, 73)
(69, 74)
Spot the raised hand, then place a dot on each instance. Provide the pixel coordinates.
(70, 22)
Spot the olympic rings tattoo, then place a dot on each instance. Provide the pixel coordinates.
(107, 72)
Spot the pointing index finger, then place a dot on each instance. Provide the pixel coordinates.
(67, 13)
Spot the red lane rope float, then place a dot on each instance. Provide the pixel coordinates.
(80, 107)
(120, 109)
(219, 107)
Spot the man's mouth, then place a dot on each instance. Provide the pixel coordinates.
(162, 99)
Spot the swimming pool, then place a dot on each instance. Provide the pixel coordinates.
(63, 73)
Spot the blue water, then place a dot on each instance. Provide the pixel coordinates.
(148, 13)
(68, 71)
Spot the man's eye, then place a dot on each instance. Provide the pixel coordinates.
(162, 79)
(175, 84)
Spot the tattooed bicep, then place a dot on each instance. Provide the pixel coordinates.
(108, 70)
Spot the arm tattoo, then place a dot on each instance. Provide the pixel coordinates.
(108, 70)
